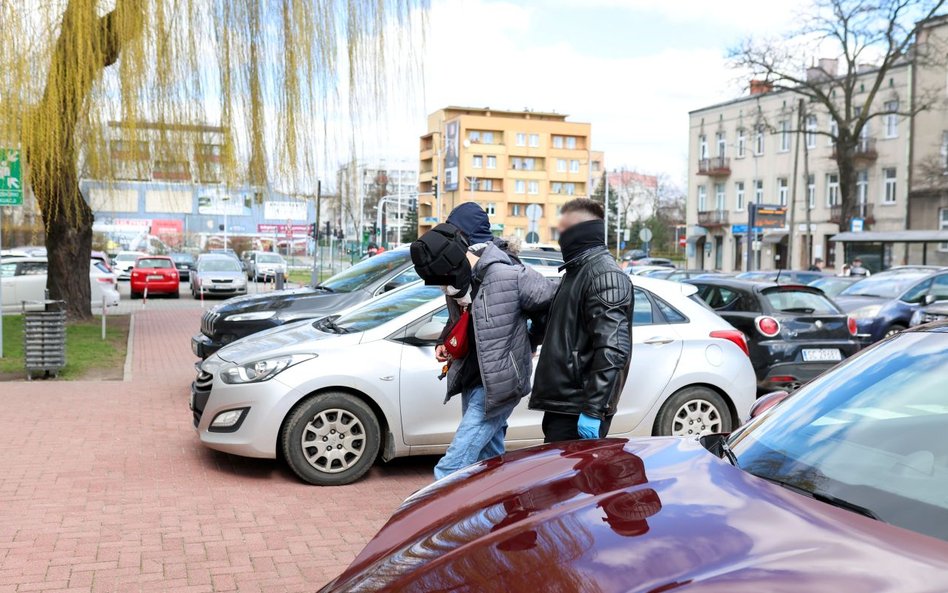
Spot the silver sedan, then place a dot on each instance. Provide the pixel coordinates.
(334, 394)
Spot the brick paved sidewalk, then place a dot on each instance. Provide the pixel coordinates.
(104, 487)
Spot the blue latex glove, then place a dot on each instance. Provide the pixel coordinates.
(588, 427)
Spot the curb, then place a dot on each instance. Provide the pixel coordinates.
(129, 351)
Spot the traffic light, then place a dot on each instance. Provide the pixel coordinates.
(312, 231)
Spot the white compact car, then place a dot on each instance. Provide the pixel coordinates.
(124, 261)
(24, 279)
(265, 266)
(332, 394)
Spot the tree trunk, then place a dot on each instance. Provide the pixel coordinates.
(68, 250)
(846, 167)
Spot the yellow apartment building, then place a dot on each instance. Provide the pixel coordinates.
(506, 161)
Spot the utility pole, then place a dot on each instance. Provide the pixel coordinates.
(793, 189)
(808, 247)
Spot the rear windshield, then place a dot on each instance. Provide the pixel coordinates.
(269, 258)
(800, 301)
(887, 286)
(153, 263)
(219, 264)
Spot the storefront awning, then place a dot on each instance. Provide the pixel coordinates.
(914, 236)
(694, 233)
(692, 239)
(774, 238)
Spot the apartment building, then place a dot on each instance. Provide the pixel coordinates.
(506, 161)
(362, 184)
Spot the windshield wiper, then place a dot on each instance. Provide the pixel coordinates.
(330, 324)
(729, 454)
(322, 287)
(825, 497)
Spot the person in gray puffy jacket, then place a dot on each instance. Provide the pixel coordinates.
(501, 295)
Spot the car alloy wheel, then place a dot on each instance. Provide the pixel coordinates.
(893, 330)
(693, 411)
(333, 441)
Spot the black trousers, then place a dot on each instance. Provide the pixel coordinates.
(562, 427)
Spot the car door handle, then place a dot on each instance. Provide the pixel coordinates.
(659, 340)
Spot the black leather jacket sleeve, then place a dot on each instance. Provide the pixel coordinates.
(606, 313)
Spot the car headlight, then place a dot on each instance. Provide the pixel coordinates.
(255, 316)
(867, 312)
(261, 370)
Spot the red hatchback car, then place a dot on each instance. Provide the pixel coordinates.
(157, 273)
(843, 486)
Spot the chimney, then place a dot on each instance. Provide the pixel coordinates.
(829, 66)
(760, 87)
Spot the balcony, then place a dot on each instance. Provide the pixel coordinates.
(863, 211)
(713, 218)
(719, 166)
(865, 150)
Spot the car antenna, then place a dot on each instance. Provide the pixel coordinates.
(777, 279)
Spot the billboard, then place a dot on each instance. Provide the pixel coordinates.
(217, 203)
(452, 132)
(770, 216)
(283, 229)
(285, 210)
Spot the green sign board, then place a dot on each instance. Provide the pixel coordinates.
(11, 178)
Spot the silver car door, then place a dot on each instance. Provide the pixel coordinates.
(656, 349)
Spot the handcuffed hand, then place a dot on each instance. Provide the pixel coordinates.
(588, 427)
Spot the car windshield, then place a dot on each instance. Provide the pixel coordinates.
(366, 272)
(150, 263)
(269, 258)
(182, 258)
(219, 264)
(127, 256)
(800, 301)
(889, 286)
(386, 308)
(868, 436)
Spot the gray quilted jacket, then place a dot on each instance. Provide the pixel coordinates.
(509, 292)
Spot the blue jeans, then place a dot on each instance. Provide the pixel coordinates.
(477, 438)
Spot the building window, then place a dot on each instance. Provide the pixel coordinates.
(784, 136)
(521, 139)
(944, 151)
(520, 186)
(719, 197)
(759, 140)
(739, 196)
(561, 165)
(702, 146)
(811, 123)
(523, 163)
(832, 190)
(491, 162)
(721, 140)
(759, 191)
(862, 187)
(702, 198)
(558, 141)
(574, 166)
(569, 188)
(782, 190)
(488, 137)
(533, 188)
(487, 185)
(741, 143)
(491, 209)
(534, 140)
(943, 219)
(888, 177)
(834, 132)
(556, 187)
(478, 161)
(891, 119)
(474, 137)
(811, 191)
(571, 142)
(516, 209)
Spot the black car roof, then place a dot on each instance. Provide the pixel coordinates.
(747, 285)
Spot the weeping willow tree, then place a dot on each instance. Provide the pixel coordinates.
(273, 74)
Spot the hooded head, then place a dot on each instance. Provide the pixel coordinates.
(440, 257)
(471, 219)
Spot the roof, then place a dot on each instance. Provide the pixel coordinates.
(632, 178)
(912, 236)
(521, 114)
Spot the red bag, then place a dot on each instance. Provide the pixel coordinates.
(456, 342)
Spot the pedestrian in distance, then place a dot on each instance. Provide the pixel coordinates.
(817, 266)
(487, 344)
(588, 345)
(857, 268)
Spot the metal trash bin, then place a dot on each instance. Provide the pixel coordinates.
(44, 339)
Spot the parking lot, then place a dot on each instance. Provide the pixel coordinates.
(103, 487)
(184, 300)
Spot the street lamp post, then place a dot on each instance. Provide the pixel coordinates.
(225, 199)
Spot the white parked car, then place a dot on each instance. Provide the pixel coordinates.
(265, 265)
(24, 279)
(331, 394)
(124, 261)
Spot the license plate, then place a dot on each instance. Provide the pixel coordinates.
(822, 355)
(155, 277)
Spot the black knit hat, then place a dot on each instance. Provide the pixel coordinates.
(440, 257)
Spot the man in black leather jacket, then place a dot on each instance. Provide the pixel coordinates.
(588, 343)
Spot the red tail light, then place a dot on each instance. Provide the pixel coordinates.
(732, 335)
(853, 327)
(768, 326)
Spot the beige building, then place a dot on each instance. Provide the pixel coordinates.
(506, 161)
(743, 151)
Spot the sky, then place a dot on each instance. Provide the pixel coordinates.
(632, 68)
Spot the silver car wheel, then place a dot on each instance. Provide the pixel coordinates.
(696, 417)
(333, 441)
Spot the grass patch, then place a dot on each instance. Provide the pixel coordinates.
(88, 356)
(299, 276)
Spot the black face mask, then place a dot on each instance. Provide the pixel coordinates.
(581, 237)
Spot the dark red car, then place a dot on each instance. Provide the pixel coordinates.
(841, 487)
(157, 273)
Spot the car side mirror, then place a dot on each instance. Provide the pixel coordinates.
(929, 299)
(390, 285)
(767, 401)
(430, 331)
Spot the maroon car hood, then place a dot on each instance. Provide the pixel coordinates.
(634, 516)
